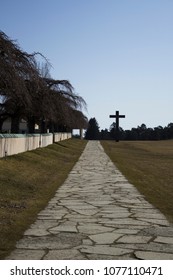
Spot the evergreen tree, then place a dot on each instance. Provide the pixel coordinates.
(92, 132)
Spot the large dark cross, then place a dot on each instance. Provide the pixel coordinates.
(117, 116)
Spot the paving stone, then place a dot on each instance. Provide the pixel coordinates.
(105, 238)
(163, 239)
(105, 250)
(146, 206)
(93, 229)
(155, 221)
(64, 255)
(151, 246)
(128, 202)
(156, 230)
(36, 232)
(134, 239)
(114, 212)
(55, 214)
(50, 217)
(66, 226)
(148, 216)
(20, 254)
(116, 215)
(40, 228)
(127, 221)
(127, 231)
(83, 210)
(122, 226)
(144, 255)
(81, 218)
(87, 242)
(63, 240)
(110, 257)
(101, 203)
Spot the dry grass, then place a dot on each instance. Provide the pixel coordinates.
(149, 166)
(27, 182)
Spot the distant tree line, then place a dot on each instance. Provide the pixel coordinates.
(140, 133)
(28, 92)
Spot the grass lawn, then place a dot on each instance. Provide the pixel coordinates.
(27, 182)
(149, 166)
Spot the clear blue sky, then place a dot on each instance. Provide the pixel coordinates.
(118, 54)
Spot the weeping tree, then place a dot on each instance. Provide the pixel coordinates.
(78, 120)
(16, 67)
(64, 103)
(27, 91)
(35, 112)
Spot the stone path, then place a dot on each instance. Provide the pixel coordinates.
(97, 214)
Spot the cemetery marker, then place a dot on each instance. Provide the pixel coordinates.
(117, 116)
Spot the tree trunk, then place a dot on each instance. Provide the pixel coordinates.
(31, 125)
(1, 124)
(2, 120)
(15, 121)
(51, 127)
(43, 126)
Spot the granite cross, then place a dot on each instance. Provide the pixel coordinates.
(117, 116)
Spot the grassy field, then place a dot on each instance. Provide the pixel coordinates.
(27, 182)
(149, 166)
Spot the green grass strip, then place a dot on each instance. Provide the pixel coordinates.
(148, 165)
(27, 182)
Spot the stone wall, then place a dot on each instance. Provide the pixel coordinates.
(11, 144)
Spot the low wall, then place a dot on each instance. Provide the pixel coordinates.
(61, 136)
(11, 144)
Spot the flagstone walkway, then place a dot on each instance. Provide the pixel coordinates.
(97, 214)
